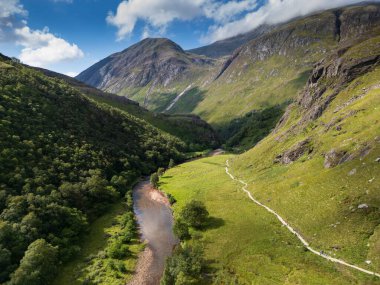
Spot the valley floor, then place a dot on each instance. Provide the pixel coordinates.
(245, 239)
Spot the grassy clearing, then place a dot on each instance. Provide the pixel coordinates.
(101, 230)
(244, 239)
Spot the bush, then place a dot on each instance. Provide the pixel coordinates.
(160, 171)
(184, 266)
(154, 180)
(171, 163)
(181, 230)
(171, 199)
(195, 214)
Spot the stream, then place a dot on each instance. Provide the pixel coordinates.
(155, 219)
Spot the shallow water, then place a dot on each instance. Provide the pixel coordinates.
(155, 219)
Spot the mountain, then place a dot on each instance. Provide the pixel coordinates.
(152, 72)
(189, 128)
(227, 46)
(271, 69)
(64, 160)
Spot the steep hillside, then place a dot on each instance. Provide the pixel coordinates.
(274, 67)
(227, 46)
(152, 72)
(191, 129)
(64, 160)
(320, 167)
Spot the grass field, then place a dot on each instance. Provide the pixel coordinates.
(95, 242)
(244, 239)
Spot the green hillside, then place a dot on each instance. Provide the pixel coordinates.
(64, 160)
(318, 169)
(244, 244)
(192, 130)
(273, 68)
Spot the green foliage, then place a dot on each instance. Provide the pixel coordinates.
(63, 161)
(184, 266)
(171, 198)
(38, 266)
(181, 230)
(194, 214)
(245, 132)
(154, 179)
(160, 171)
(171, 163)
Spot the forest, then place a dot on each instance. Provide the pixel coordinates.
(64, 159)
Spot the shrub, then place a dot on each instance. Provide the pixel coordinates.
(195, 214)
(171, 163)
(154, 180)
(181, 230)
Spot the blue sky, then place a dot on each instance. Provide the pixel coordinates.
(70, 35)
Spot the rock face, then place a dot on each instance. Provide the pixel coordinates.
(295, 152)
(151, 61)
(305, 35)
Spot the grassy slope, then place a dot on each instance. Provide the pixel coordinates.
(245, 239)
(180, 126)
(323, 203)
(251, 83)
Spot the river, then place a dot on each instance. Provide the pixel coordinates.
(155, 220)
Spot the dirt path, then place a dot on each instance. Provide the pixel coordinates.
(292, 230)
(155, 220)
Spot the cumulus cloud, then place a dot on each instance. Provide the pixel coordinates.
(228, 18)
(273, 12)
(159, 13)
(11, 14)
(40, 47)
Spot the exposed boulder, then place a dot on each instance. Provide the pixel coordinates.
(335, 157)
(295, 152)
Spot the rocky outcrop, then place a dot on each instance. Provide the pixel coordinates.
(295, 152)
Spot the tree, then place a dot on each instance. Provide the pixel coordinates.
(194, 214)
(38, 266)
(181, 230)
(171, 163)
(154, 180)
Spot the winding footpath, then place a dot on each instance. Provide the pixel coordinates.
(292, 230)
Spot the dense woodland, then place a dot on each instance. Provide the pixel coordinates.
(63, 161)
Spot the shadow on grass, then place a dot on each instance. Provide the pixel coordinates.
(212, 223)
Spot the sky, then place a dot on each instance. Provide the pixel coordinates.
(68, 36)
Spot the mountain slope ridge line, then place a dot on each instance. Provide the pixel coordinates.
(292, 230)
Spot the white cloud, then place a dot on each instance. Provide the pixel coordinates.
(9, 8)
(72, 73)
(229, 18)
(159, 13)
(273, 12)
(42, 48)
